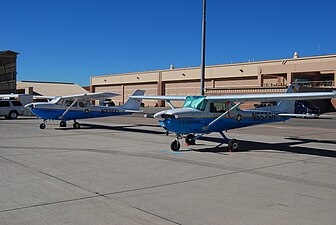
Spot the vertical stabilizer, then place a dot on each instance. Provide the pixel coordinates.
(286, 106)
(134, 104)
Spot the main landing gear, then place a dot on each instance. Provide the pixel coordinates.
(190, 139)
(63, 123)
(233, 144)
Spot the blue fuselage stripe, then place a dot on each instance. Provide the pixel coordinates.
(55, 114)
(196, 125)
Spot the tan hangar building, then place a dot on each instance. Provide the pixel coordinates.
(251, 77)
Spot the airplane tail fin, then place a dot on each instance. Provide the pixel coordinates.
(286, 106)
(134, 104)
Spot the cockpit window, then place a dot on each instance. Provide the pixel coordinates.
(195, 102)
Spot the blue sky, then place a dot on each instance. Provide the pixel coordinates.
(70, 40)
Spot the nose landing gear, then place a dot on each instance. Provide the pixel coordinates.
(175, 145)
(43, 125)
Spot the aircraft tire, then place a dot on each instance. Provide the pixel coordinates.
(233, 145)
(189, 139)
(175, 146)
(42, 126)
(63, 124)
(76, 125)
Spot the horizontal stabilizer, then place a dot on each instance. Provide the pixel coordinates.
(133, 111)
(298, 115)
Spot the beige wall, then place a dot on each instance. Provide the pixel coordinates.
(185, 81)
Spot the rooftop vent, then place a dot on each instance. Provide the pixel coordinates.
(296, 55)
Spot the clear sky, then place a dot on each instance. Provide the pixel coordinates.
(70, 40)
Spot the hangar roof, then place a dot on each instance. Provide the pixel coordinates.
(52, 88)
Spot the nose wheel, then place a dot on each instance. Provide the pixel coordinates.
(175, 145)
(43, 125)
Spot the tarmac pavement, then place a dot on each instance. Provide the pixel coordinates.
(120, 170)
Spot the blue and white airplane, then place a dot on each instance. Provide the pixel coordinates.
(74, 107)
(202, 115)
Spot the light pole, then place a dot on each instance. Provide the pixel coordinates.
(203, 48)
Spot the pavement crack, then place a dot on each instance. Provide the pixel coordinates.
(161, 217)
(21, 164)
(67, 182)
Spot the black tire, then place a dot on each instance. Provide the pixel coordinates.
(13, 115)
(189, 139)
(42, 126)
(175, 146)
(76, 125)
(63, 124)
(233, 145)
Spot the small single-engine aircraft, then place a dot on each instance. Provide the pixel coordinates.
(202, 115)
(75, 107)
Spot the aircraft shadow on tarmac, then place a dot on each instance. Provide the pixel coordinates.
(128, 128)
(291, 147)
(245, 146)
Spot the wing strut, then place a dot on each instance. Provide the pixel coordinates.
(171, 105)
(221, 116)
(67, 110)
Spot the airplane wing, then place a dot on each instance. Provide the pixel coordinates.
(274, 97)
(9, 95)
(250, 97)
(161, 97)
(90, 96)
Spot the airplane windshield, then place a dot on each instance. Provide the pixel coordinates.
(195, 102)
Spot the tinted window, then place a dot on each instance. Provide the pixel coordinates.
(218, 107)
(16, 103)
(4, 104)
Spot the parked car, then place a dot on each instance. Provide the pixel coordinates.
(10, 109)
(306, 107)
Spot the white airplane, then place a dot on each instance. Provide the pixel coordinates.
(202, 115)
(75, 107)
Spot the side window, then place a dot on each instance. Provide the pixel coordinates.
(16, 103)
(4, 104)
(82, 104)
(217, 107)
(68, 103)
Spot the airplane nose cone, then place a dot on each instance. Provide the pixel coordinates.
(159, 114)
(164, 115)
